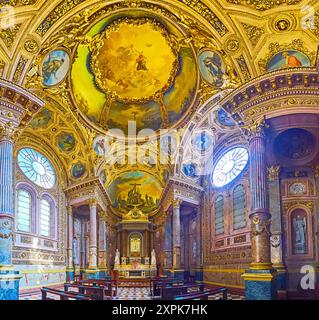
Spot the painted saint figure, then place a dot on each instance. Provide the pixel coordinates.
(214, 66)
(291, 60)
(299, 224)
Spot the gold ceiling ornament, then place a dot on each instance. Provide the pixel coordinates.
(126, 67)
(263, 5)
(233, 44)
(72, 34)
(31, 46)
(253, 33)
(283, 23)
(9, 35)
(197, 34)
(18, 3)
(276, 47)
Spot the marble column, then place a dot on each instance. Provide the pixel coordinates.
(178, 273)
(70, 266)
(9, 279)
(92, 270)
(276, 240)
(102, 264)
(259, 279)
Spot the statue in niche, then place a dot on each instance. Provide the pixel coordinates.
(153, 259)
(117, 257)
(299, 226)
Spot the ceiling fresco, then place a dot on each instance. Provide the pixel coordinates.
(134, 70)
(135, 189)
(101, 64)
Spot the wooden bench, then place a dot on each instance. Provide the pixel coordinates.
(158, 283)
(63, 295)
(96, 292)
(169, 292)
(203, 295)
(111, 285)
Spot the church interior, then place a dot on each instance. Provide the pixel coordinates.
(159, 149)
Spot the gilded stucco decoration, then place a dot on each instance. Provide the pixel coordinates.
(202, 29)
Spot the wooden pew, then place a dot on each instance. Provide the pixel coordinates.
(96, 292)
(203, 295)
(168, 292)
(63, 295)
(156, 284)
(110, 285)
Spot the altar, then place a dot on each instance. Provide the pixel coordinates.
(135, 257)
(135, 268)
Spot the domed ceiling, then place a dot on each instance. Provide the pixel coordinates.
(134, 69)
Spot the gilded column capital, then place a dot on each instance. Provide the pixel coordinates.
(273, 172)
(92, 202)
(177, 203)
(7, 131)
(256, 128)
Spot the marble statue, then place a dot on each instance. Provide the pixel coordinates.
(117, 257)
(153, 259)
(300, 234)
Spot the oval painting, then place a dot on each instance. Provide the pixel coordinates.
(212, 67)
(203, 141)
(55, 67)
(66, 142)
(100, 146)
(78, 170)
(190, 170)
(288, 59)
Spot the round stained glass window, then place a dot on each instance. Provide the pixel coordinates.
(37, 168)
(230, 166)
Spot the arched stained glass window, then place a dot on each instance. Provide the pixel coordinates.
(230, 166)
(239, 203)
(45, 218)
(24, 210)
(219, 215)
(37, 168)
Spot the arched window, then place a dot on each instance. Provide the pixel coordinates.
(24, 210)
(45, 218)
(219, 215)
(239, 203)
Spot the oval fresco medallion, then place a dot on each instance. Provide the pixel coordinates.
(78, 170)
(55, 67)
(212, 67)
(66, 142)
